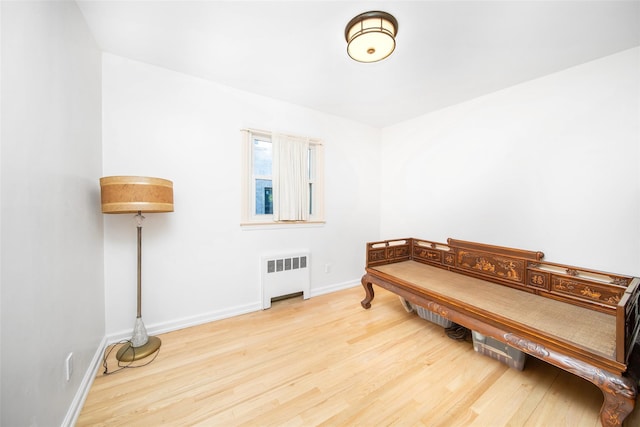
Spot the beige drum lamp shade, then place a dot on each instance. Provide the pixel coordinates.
(131, 194)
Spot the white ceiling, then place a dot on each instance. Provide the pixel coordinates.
(447, 51)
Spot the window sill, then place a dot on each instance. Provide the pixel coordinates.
(280, 225)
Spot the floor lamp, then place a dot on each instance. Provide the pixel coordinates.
(137, 194)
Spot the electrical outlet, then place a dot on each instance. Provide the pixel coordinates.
(68, 366)
(327, 268)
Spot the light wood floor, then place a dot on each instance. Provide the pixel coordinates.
(327, 361)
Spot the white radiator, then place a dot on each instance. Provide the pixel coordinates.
(284, 275)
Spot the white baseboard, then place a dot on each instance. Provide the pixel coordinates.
(334, 288)
(186, 322)
(200, 319)
(85, 385)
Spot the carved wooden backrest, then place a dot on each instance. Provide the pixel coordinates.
(499, 264)
(388, 251)
(512, 267)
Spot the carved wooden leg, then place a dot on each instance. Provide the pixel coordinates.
(368, 289)
(619, 399)
(619, 392)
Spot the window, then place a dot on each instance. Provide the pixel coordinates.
(282, 179)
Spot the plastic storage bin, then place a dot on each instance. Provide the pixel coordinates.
(433, 317)
(495, 349)
(426, 314)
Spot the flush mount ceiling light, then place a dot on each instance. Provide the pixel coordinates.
(371, 36)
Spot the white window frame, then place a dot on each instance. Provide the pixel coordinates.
(316, 180)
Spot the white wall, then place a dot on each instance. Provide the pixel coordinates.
(198, 264)
(51, 226)
(551, 165)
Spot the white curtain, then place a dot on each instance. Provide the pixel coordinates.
(290, 178)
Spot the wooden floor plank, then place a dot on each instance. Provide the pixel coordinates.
(326, 361)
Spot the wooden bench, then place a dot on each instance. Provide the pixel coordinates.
(583, 321)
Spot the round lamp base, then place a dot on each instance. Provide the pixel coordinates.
(128, 353)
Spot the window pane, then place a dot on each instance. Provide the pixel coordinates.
(262, 157)
(264, 197)
(311, 163)
(311, 175)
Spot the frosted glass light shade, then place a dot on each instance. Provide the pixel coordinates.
(371, 36)
(131, 194)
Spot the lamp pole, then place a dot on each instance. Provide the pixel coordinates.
(139, 219)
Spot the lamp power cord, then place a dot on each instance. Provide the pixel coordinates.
(123, 365)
